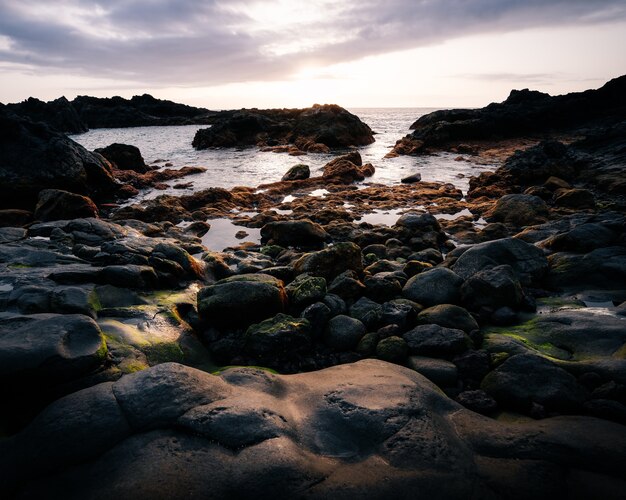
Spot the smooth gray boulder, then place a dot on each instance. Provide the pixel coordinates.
(369, 429)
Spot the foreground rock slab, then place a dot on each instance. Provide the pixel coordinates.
(369, 428)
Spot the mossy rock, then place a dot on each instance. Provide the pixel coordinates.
(282, 334)
(392, 349)
(367, 345)
(305, 290)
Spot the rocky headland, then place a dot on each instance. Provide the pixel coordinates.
(473, 347)
(85, 112)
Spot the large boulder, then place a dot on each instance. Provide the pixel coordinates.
(449, 316)
(297, 233)
(362, 429)
(124, 157)
(278, 336)
(33, 158)
(437, 341)
(525, 379)
(347, 168)
(437, 286)
(42, 349)
(528, 261)
(241, 300)
(331, 261)
(55, 204)
(602, 268)
(343, 333)
(327, 124)
(519, 210)
(494, 288)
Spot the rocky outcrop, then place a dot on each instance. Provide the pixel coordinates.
(368, 428)
(327, 124)
(59, 114)
(124, 157)
(524, 112)
(34, 157)
(139, 111)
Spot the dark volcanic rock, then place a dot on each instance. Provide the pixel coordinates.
(124, 157)
(519, 209)
(298, 233)
(438, 341)
(33, 157)
(297, 172)
(241, 300)
(55, 204)
(369, 429)
(58, 114)
(328, 124)
(525, 379)
(496, 287)
(278, 336)
(524, 112)
(527, 260)
(343, 333)
(331, 261)
(139, 111)
(437, 286)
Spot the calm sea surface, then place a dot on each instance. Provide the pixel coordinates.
(249, 167)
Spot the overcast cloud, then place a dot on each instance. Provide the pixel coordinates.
(195, 42)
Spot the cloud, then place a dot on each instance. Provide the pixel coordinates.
(209, 42)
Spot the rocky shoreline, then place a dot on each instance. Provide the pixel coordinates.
(474, 346)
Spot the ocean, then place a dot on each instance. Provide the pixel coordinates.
(249, 167)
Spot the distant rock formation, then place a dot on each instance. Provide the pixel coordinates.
(58, 114)
(308, 128)
(525, 112)
(86, 112)
(139, 111)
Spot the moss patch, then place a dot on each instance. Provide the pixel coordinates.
(163, 352)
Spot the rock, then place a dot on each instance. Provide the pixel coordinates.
(382, 287)
(494, 288)
(399, 313)
(524, 112)
(329, 125)
(392, 349)
(519, 210)
(411, 179)
(343, 333)
(173, 431)
(438, 371)
(245, 300)
(336, 304)
(603, 268)
(12, 234)
(367, 345)
(55, 204)
(478, 401)
(139, 111)
(347, 168)
(582, 239)
(527, 261)
(437, 341)
(524, 379)
(347, 286)
(574, 198)
(298, 233)
(317, 315)
(59, 114)
(281, 335)
(449, 316)
(124, 157)
(297, 172)
(331, 261)
(33, 158)
(129, 276)
(47, 349)
(305, 290)
(415, 221)
(13, 217)
(432, 287)
(367, 311)
(73, 300)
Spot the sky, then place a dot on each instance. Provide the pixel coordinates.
(223, 54)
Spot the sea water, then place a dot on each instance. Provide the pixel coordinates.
(229, 167)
